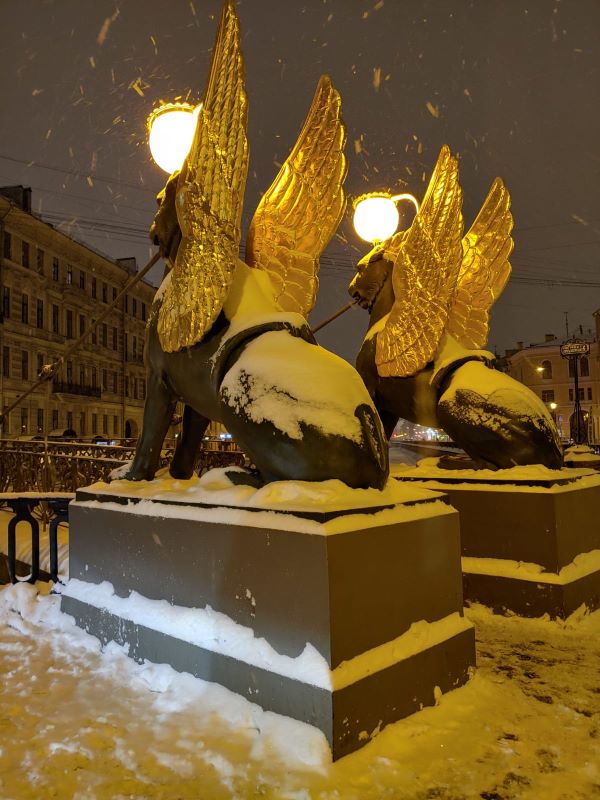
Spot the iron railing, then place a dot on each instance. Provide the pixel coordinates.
(32, 508)
(38, 480)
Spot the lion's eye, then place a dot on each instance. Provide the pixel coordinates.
(377, 257)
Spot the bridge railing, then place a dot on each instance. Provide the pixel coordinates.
(39, 479)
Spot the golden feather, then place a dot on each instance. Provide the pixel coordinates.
(427, 260)
(209, 200)
(485, 269)
(300, 212)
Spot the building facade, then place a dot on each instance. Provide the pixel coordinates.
(552, 377)
(52, 289)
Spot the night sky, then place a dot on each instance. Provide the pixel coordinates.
(512, 87)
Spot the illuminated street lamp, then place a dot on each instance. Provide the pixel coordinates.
(376, 215)
(170, 132)
(553, 406)
(539, 369)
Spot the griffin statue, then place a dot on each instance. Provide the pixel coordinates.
(230, 339)
(429, 290)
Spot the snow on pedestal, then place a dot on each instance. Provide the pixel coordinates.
(530, 535)
(341, 608)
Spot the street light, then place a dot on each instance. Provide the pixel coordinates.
(376, 215)
(171, 130)
(553, 406)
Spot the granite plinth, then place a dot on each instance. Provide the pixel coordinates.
(351, 584)
(529, 545)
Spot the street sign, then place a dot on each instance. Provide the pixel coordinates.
(574, 349)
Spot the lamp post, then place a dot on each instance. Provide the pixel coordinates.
(171, 130)
(376, 215)
(573, 350)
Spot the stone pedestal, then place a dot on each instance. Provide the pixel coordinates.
(375, 592)
(530, 537)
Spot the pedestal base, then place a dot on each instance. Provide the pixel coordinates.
(345, 618)
(530, 537)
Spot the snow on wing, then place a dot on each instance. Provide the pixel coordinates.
(302, 209)
(485, 269)
(209, 199)
(427, 260)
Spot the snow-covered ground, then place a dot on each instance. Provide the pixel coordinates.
(78, 723)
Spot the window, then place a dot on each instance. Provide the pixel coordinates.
(105, 423)
(114, 294)
(580, 394)
(40, 363)
(105, 385)
(115, 383)
(25, 254)
(142, 389)
(546, 370)
(69, 372)
(93, 329)
(81, 279)
(589, 392)
(126, 385)
(81, 324)
(82, 423)
(94, 288)
(134, 388)
(55, 269)
(69, 275)
(40, 260)
(39, 314)
(115, 339)
(55, 419)
(115, 425)
(69, 323)
(82, 376)
(40, 420)
(24, 420)
(104, 293)
(134, 307)
(94, 379)
(572, 362)
(570, 394)
(6, 302)
(94, 423)
(584, 367)
(104, 334)
(25, 309)
(55, 319)
(7, 248)
(70, 420)
(134, 348)
(24, 365)
(6, 361)
(547, 395)
(144, 312)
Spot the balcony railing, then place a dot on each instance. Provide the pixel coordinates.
(63, 387)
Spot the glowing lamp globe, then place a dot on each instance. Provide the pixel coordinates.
(376, 217)
(170, 132)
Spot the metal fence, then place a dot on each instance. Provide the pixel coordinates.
(38, 480)
(56, 466)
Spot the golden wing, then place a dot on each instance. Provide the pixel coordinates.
(427, 260)
(210, 193)
(298, 215)
(485, 269)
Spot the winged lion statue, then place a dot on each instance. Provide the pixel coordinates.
(429, 291)
(229, 338)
